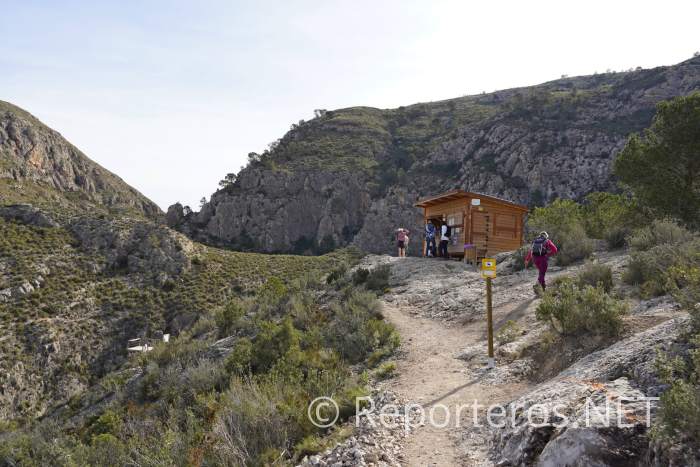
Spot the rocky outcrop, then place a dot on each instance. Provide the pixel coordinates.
(299, 212)
(32, 153)
(596, 412)
(135, 246)
(352, 175)
(27, 214)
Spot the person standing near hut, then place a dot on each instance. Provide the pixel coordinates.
(540, 251)
(430, 239)
(402, 241)
(444, 239)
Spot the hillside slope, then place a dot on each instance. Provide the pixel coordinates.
(352, 175)
(38, 166)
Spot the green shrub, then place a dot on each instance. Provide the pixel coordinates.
(616, 237)
(238, 361)
(228, 318)
(684, 284)
(575, 310)
(108, 423)
(611, 217)
(650, 268)
(107, 449)
(509, 332)
(357, 329)
(563, 220)
(336, 274)
(250, 424)
(360, 276)
(518, 258)
(385, 371)
(596, 274)
(660, 232)
(272, 343)
(573, 246)
(203, 326)
(679, 410)
(378, 278)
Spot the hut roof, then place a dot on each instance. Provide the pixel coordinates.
(459, 194)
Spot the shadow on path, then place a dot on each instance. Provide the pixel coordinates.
(514, 314)
(454, 391)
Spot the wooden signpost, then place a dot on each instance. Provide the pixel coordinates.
(488, 272)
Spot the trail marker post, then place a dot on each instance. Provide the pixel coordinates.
(488, 272)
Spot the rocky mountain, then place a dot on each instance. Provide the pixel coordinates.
(85, 265)
(38, 166)
(352, 175)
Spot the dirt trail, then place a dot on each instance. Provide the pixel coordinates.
(438, 308)
(430, 375)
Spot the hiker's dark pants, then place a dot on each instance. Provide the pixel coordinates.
(430, 246)
(541, 263)
(443, 248)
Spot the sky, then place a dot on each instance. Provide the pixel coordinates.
(173, 95)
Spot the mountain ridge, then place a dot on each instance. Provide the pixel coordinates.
(39, 166)
(350, 176)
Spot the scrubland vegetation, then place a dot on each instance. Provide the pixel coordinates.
(291, 332)
(656, 218)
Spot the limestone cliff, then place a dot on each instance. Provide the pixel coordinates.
(38, 166)
(352, 175)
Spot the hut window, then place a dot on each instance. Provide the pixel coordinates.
(456, 238)
(454, 219)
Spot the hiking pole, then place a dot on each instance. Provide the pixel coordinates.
(488, 272)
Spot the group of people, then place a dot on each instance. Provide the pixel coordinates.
(432, 233)
(540, 251)
(431, 236)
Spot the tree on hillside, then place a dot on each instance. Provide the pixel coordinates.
(229, 179)
(662, 166)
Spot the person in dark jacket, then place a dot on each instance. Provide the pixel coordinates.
(542, 248)
(430, 239)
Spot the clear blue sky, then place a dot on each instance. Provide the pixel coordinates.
(172, 95)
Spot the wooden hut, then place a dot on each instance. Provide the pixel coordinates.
(481, 225)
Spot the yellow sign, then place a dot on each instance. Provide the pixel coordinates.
(488, 267)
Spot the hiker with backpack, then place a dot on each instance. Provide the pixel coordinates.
(540, 251)
(445, 233)
(402, 241)
(430, 239)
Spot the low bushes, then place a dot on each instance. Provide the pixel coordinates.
(573, 246)
(290, 342)
(357, 329)
(596, 274)
(376, 279)
(563, 220)
(611, 217)
(575, 309)
(660, 232)
(679, 411)
(509, 332)
(658, 251)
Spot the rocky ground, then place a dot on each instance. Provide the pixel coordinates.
(438, 308)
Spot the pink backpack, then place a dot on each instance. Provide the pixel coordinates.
(401, 235)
